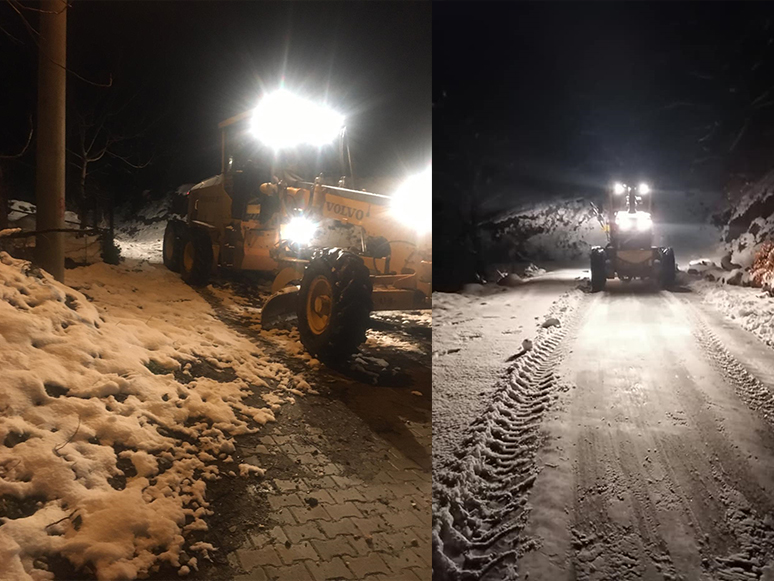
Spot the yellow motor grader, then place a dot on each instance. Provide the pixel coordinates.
(630, 253)
(282, 203)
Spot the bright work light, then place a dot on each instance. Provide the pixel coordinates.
(299, 230)
(619, 188)
(282, 120)
(412, 203)
(644, 188)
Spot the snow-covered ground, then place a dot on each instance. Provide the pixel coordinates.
(122, 393)
(477, 334)
(624, 434)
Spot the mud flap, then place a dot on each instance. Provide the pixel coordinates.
(281, 306)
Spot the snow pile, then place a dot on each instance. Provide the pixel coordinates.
(108, 434)
(560, 230)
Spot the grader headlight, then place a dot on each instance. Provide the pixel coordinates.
(640, 221)
(644, 221)
(284, 120)
(300, 230)
(412, 203)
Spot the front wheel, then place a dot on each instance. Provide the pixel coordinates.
(334, 304)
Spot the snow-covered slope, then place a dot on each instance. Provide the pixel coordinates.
(750, 222)
(562, 230)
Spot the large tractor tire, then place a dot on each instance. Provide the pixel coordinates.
(334, 304)
(598, 274)
(668, 268)
(196, 262)
(172, 250)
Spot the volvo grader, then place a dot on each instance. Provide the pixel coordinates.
(630, 253)
(285, 203)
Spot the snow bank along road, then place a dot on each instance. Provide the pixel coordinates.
(634, 441)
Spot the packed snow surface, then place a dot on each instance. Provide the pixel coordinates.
(108, 439)
(476, 334)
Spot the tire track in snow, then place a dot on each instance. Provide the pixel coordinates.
(757, 396)
(479, 496)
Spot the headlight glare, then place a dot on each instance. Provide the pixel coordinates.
(299, 230)
(282, 120)
(412, 203)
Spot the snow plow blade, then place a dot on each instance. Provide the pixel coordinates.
(280, 306)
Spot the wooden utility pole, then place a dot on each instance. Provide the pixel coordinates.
(50, 170)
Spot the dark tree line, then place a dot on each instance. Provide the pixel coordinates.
(106, 125)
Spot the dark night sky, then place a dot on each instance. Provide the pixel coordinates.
(189, 65)
(550, 98)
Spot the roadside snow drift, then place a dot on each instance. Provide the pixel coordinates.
(107, 438)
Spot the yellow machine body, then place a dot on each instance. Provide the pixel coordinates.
(405, 269)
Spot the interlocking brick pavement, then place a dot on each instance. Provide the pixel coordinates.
(364, 515)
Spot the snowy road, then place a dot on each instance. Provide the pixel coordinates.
(635, 441)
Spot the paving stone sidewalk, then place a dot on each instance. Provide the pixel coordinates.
(364, 514)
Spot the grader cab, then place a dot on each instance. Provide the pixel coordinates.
(283, 204)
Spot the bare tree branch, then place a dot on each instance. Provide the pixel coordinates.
(30, 8)
(27, 25)
(11, 36)
(129, 163)
(33, 33)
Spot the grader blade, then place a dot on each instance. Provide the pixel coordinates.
(281, 306)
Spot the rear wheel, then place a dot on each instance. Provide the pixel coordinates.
(668, 267)
(334, 304)
(196, 260)
(598, 274)
(172, 250)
